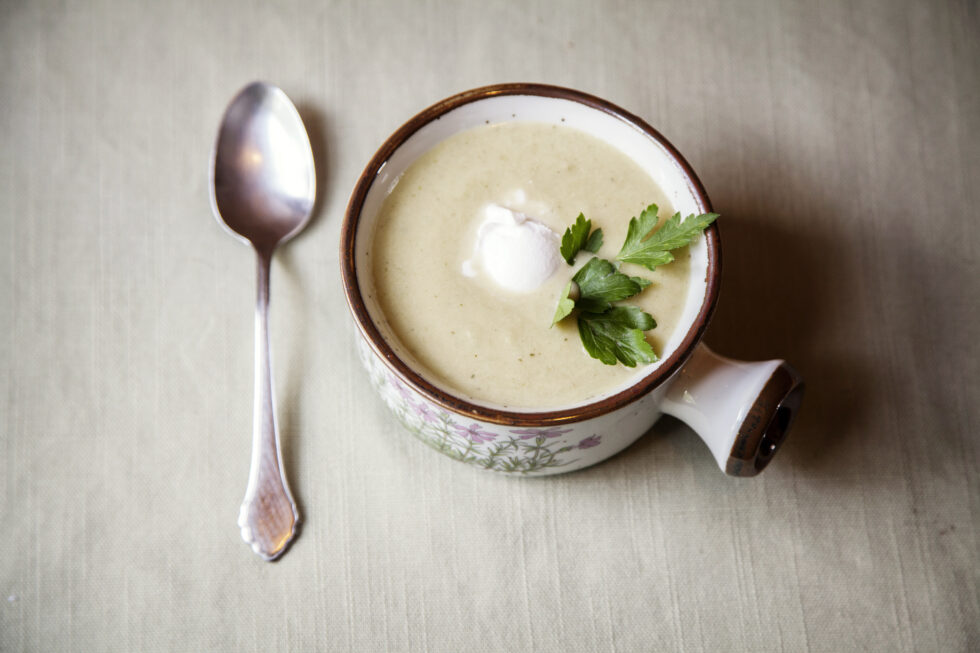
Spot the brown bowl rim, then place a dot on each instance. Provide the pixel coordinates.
(497, 415)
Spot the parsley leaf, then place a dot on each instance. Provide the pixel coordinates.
(617, 334)
(577, 237)
(652, 250)
(565, 305)
(594, 242)
(600, 283)
(641, 282)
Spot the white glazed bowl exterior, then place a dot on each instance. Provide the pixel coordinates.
(516, 450)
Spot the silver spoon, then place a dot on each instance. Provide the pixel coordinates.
(262, 189)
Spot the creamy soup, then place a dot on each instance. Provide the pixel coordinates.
(461, 329)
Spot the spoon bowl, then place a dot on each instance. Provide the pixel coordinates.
(263, 176)
(263, 186)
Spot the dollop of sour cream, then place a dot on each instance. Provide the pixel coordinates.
(513, 250)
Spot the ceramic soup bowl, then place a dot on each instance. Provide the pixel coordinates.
(741, 410)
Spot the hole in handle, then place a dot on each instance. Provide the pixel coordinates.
(773, 437)
(780, 401)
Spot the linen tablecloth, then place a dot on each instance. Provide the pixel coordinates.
(839, 141)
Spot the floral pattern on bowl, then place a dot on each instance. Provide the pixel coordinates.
(493, 447)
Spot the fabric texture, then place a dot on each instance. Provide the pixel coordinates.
(837, 139)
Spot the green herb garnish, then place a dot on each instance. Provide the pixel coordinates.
(577, 237)
(565, 304)
(653, 250)
(600, 283)
(611, 332)
(617, 334)
(594, 242)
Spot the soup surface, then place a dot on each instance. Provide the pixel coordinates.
(466, 333)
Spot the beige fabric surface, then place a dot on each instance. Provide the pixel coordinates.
(839, 140)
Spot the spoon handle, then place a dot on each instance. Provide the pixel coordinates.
(268, 515)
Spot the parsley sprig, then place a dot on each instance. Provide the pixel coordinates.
(617, 334)
(611, 332)
(653, 250)
(577, 237)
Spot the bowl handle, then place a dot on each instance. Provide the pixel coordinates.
(741, 410)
